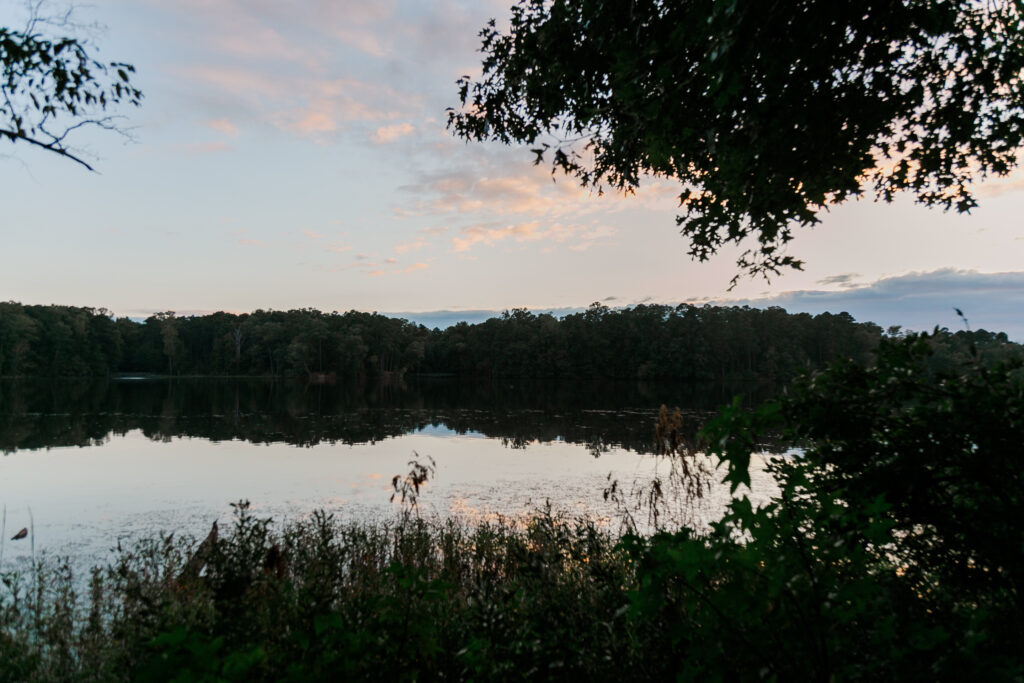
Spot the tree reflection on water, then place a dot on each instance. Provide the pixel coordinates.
(46, 414)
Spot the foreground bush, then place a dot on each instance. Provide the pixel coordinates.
(895, 550)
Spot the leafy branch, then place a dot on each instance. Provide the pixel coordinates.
(51, 88)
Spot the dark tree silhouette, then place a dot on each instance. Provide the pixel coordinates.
(766, 113)
(50, 87)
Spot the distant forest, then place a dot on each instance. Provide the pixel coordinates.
(691, 343)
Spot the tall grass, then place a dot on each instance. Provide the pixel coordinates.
(319, 598)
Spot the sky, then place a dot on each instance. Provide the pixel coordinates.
(293, 154)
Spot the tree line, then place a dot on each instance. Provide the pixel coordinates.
(685, 342)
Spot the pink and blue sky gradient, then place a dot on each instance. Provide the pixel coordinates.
(293, 153)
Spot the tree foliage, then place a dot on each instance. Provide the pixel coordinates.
(706, 343)
(894, 550)
(51, 87)
(685, 342)
(647, 342)
(765, 113)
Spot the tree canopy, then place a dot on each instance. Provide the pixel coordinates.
(692, 344)
(765, 113)
(50, 87)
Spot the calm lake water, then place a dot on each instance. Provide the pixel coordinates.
(89, 464)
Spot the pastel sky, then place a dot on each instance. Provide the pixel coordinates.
(293, 153)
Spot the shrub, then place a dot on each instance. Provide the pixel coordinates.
(894, 550)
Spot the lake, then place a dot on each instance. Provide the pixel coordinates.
(88, 464)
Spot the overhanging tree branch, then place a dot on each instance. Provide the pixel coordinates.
(766, 113)
(14, 136)
(51, 87)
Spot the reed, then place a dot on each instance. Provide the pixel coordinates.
(318, 597)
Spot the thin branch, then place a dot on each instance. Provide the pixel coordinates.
(14, 136)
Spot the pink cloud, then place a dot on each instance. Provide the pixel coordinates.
(201, 148)
(406, 247)
(364, 40)
(422, 265)
(996, 187)
(531, 231)
(386, 134)
(520, 189)
(235, 80)
(480, 233)
(308, 105)
(266, 44)
(314, 122)
(328, 105)
(223, 126)
(423, 239)
(504, 182)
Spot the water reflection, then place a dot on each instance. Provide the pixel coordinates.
(36, 415)
(100, 461)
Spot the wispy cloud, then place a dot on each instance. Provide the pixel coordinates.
(842, 280)
(407, 247)
(517, 190)
(424, 238)
(583, 236)
(259, 42)
(386, 134)
(367, 40)
(468, 197)
(307, 106)
(242, 238)
(234, 80)
(412, 268)
(416, 266)
(286, 66)
(203, 148)
(1000, 186)
(223, 125)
